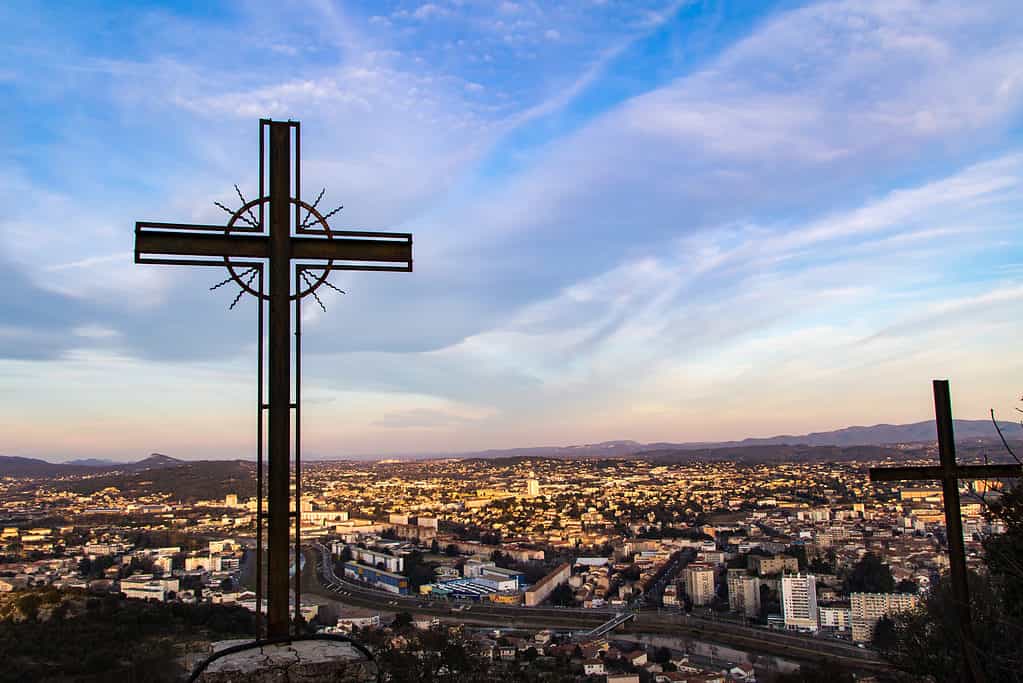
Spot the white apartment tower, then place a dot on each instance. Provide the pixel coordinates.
(532, 488)
(699, 578)
(799, 601)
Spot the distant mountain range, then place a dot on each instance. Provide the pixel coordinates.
(158, 473)
(93, 462)
(14, 466)
(877, 435)
(846, 440)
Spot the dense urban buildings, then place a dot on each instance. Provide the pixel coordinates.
(777, 545)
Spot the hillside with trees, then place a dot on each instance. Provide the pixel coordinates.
(72, 636)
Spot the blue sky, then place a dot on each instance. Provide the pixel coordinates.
(658, 221)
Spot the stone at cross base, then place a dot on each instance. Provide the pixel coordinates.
(300, 661)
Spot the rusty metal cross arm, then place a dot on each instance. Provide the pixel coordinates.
(172, 243)
(155, 242)
(938, 472)
(391, 250)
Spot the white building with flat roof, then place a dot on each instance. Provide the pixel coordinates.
(699, 580)
(375, 558)
(146, 587)
(799, 601)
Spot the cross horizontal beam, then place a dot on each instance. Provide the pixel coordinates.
(939, 472)
(164, 243)
(178, 240)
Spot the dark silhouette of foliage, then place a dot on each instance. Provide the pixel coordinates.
(928, 641)
(661, 655)
(907, 586)
(106, 639)
(402, 620)
(198, 480)
(433, 656)
(563, 595)
(94, 569)
(1003, 554)
(870, 575)
(417, 571)
(824, 673)
(28, 605)
(798, 552)
(885, 637)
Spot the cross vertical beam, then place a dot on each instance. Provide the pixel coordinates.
(279, 380)
(953, 513)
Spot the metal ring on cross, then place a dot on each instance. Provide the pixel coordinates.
(239, 216)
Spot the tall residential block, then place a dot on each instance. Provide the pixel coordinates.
(799, 601)
(868, 608)
(743, 593)
(699, 579)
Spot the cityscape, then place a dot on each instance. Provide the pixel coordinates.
(726, 564)
(471, 341)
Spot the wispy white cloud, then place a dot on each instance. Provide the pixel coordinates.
(592, 72)
(719, 309)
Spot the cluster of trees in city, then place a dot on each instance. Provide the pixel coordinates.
(872, 575)
(97, 568)
(471, 532)
(673, 532)
(445, 655)
(418, 570)
(421, 656)
(155, 538)
(54, 635)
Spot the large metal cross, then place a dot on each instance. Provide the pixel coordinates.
(245, 246)
(950, 473)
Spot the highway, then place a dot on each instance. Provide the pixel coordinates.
(754, 640)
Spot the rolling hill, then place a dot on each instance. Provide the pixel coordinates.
(15, 466)
(967, 431)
